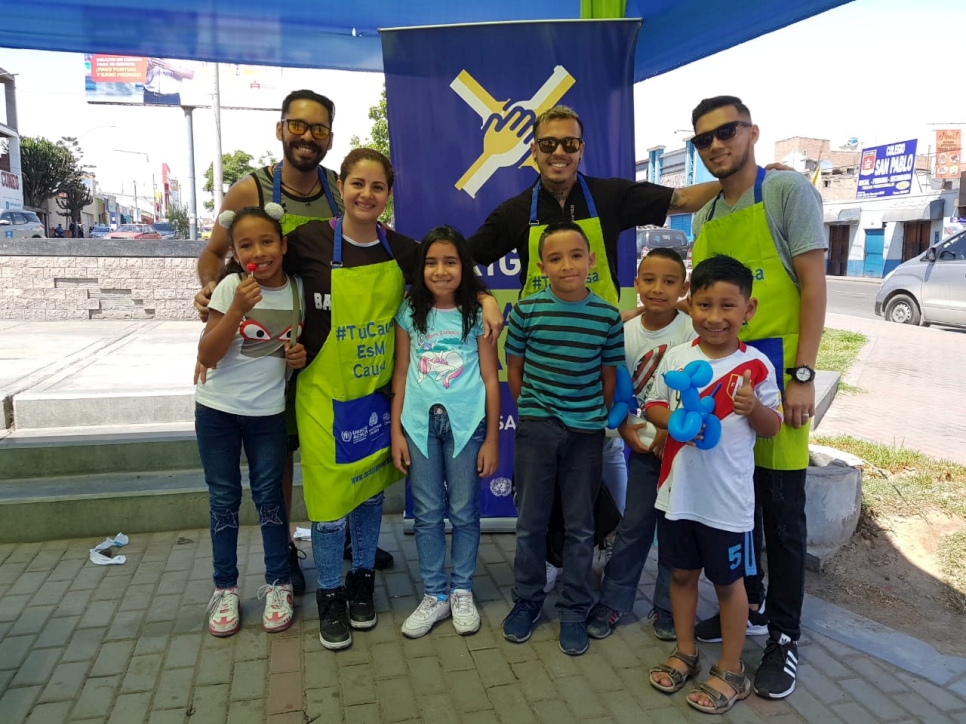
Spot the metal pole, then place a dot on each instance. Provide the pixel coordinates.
(192, 200)
(137, 211)
(217, 170)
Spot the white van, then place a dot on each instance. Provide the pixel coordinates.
(929, 289)
(20, 224)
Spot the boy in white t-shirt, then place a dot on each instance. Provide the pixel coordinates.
(661, 281)
(707, 496)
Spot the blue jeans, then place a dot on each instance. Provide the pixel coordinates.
(615, 471)
(548, 455)
(632, 541)
(220, 439)
(443, 485)
(328, 542)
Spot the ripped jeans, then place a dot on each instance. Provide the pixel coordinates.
(220, 439)
(328, 541)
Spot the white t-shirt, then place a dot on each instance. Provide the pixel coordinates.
(250, 378)
(643, 351)
(715, 487)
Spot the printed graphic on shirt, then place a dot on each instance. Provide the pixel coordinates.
(265, 332)
(443, 367)
(643, 377)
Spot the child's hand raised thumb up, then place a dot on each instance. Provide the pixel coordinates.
(745, 399)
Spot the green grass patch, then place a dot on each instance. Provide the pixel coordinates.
(905, 483)
(838, 351)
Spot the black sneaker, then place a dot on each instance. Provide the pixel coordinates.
(778, 668)
(709, 630)
(602, 620)
(295, 572)
(334, 631)
(664, 624)
(383, 560)
(358, 588)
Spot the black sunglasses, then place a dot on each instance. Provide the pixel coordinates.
(549, 144)
(723, 133)
(297, 127)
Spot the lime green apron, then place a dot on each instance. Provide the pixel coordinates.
(598, 279)
(289, 221)
(343, 413)
(774, 329)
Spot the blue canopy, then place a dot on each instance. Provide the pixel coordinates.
(344, 35)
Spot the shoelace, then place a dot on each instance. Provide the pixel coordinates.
(220, 600)
(461, 603)
(427, 606)
(275, 594)
(299, 553)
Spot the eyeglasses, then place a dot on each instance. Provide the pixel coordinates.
(723, 133)
(549, 145)
(298, 127)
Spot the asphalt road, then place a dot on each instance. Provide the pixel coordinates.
(853, 297)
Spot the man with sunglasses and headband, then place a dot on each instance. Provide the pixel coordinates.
(307, 191)
(772, 223)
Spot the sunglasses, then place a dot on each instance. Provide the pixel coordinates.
(298, 127)
(549, 145)
(723, 133)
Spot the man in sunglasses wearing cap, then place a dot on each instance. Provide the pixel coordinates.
(772, 223)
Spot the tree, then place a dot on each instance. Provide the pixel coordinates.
(235, 166)
(267, 159)
(73, 198)
(46, 168)
(178, 216)
(379, 141)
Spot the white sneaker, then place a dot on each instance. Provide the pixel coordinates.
(223, 615)
(552, 572)
(278, 606)
(466, 619)
(429, 611)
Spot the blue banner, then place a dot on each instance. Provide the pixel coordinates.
(887, 170)
(461, 101)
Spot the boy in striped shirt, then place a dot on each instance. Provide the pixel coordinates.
(563, 346)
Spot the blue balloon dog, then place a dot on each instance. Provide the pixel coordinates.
(623, 399)
(695, 411)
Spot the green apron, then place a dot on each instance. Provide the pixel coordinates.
(774, 329)
(598, 279)
(343, 413)
(289, 221)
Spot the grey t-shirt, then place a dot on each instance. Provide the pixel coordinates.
(793, 209)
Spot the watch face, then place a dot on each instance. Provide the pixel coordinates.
(803, 374)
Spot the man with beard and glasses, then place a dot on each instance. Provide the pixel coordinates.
(307, 191)
(773, 224)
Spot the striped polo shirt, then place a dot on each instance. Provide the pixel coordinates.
(564, 345)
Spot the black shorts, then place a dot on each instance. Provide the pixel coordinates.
(291, 425)
(726, 557)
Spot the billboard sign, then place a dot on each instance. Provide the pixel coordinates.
(137, 80)
(887, 170)
(949, 153)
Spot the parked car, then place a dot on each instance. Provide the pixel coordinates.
(166, 230)
(100, 231)
(206, 232)
(134, 231)
(20, 224)
(651, 237)
(928, 289)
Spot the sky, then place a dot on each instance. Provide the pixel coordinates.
(880, 71)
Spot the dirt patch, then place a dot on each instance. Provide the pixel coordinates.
(890, 572)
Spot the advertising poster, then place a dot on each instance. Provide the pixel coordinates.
(136, 80)
(949, 153)
(887, 170)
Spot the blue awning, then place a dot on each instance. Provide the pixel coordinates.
(344, 35)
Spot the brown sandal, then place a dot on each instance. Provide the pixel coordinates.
(678, 678)
(719, 702)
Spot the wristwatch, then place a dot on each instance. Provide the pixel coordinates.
(802, 373)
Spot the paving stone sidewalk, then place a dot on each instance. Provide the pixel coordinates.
(125, 644)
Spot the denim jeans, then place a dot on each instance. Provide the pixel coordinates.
(220, 439)
(615, 471)
(549, 455)
(633, 539)
(780, 515)
(328, 541)
(443, 485)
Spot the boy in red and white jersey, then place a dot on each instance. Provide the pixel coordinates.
(707, 496)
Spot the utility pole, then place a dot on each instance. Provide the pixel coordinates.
(217, 170)
(192, 195)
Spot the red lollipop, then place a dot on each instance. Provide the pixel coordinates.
(251, 268)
